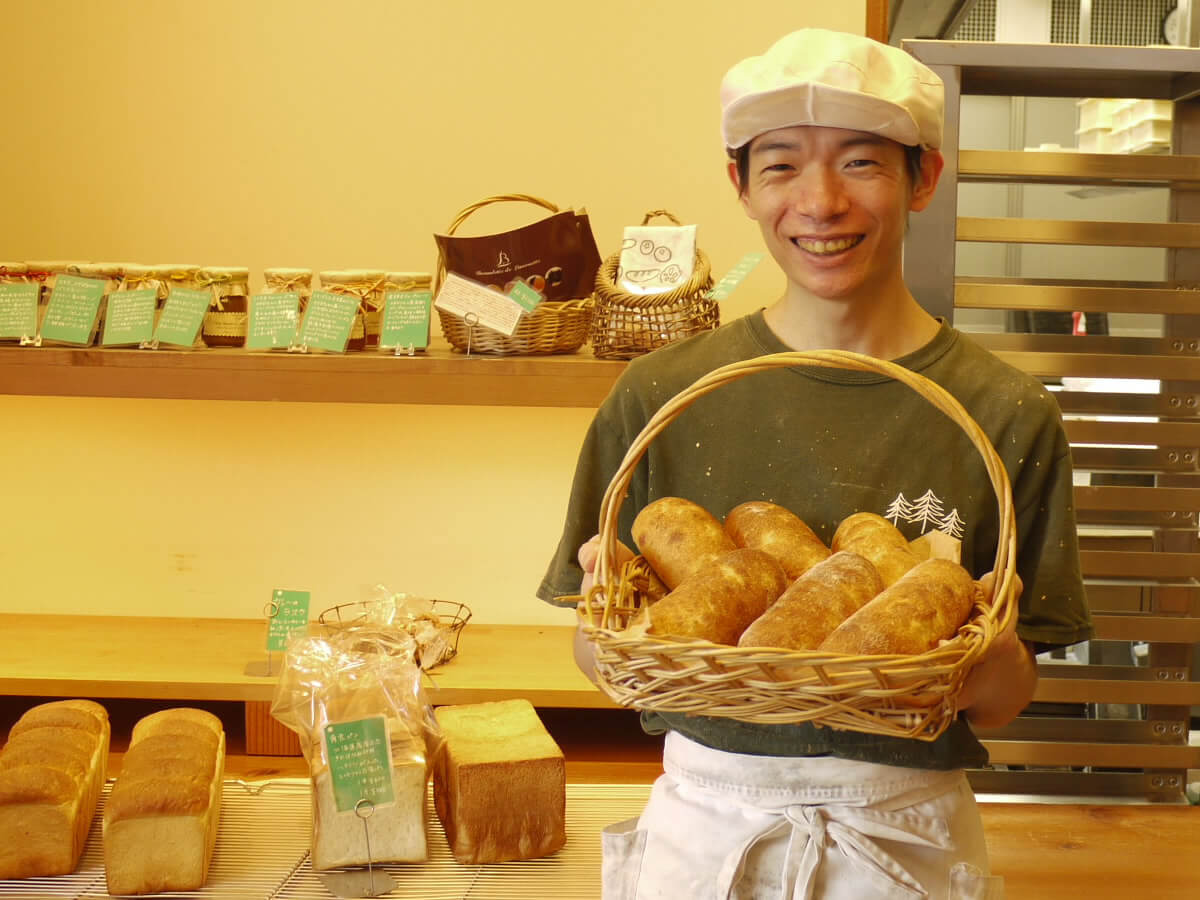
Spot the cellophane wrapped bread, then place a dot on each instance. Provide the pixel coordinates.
(52, 770)
(348, 677)
(162, 815)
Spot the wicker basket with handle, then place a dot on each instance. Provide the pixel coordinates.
(554, 326)
(901, 696)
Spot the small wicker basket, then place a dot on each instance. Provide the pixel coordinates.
(554, 326)
(900, 696)
(627, 325)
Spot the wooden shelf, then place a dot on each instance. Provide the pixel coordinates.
(438, 376)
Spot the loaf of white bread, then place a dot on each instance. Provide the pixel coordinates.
(160, 821)
(52, 770)
(499, 784)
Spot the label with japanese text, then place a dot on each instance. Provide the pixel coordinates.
(273, 320)
(289, 615)
(129, 318)
(18, 310)
(405, 319)
(327, 321)
(72, 309)
(182, 315)
(360, 762)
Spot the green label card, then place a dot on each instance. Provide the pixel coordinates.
(273, 320)
(406, 319)
(360, 762)
(734, 276)
(182, 316)
(18, 310)
(129, 318)
(290, 616)
(328, 320)
(525, 295)
(72, 310)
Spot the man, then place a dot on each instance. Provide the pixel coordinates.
(833, 141)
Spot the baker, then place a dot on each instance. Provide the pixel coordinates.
(833, 141)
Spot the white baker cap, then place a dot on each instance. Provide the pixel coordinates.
(819, 77)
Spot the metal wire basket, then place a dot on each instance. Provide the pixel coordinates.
(363, 615)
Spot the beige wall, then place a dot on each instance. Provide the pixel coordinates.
(301, 133)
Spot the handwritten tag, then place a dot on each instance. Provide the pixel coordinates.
(360, 762)
(18, 310)
(290, 616)
(182, 315)
(273, 320)
(405, 319)
(734, 276)
(328, 320)
(72, 310)
(467, 298)
(129, 319)
(527, 296)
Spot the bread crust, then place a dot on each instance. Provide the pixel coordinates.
(874, 537)
(678, 538)
(776, 530)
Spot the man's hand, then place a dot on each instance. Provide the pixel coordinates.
(1002, 682)
(584, 654)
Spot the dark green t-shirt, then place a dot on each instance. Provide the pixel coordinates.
(826, 443)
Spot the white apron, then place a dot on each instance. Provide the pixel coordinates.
(731, 826)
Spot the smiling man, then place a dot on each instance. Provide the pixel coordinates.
(833, 142)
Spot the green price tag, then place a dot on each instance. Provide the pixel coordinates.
(273, 320)
(290, 615)
(360, 762)
(18, 310)
(734, 276)
(182, 316)
(328, 320)
(129, 318)
(72, 309)
(405, 319)
(525, 295)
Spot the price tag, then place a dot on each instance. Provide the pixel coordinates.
(72, 309)
(734, 276)
(360, 762)
(328, 320)
(290, 616)
(273, 320)
(528, 297)
(405, 319)
(18, 310)
(494, 310)
(129, 318)
(182, 316)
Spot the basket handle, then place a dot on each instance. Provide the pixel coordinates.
(655, 213)
(440, 273)
(996, 615)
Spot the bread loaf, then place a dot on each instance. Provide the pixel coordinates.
(718, 602)
(927, 605)
(678, 537)
(52, 770)
(874, 537)
(779, 532)
(499, 784)
(815, 604)
(161, 819)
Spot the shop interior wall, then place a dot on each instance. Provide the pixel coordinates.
(307, 133)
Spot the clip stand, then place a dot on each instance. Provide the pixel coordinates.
(356, 882)
(297, 348)
(148, 345)
(27, 341)
(401, 350)
(259, 668)
(472, 319)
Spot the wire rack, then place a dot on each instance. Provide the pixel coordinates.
(263, 840)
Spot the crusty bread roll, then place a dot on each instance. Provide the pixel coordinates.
(926, 606)
(718, 602)
(779, 532)
(678, 537)
(499, 783)
(161, 819)
(815, 604)
(874, 537)
(52, 770)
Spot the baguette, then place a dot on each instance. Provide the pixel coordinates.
(779, 532)
(926, 606)
(718, 602)
(874, 537)
(52, 770)
(815, 604)
(161, 819)
(678, 538)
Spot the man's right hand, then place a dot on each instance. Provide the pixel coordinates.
(584, 654)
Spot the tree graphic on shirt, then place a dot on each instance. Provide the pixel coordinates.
(926, 509)
(952, 524)
(899, 509)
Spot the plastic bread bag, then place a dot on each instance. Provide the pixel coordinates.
(358, 694)
(434, 631)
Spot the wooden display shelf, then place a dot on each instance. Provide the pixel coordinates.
(437, 376)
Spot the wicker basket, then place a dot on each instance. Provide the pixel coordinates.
(628, 325)
(901, 696)
(554, 326)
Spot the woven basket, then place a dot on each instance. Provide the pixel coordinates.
(901, 696)
(628, 325)
(554, 326)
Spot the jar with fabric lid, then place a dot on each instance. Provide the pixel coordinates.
(289, 281)
(110, 274)
(137, 276)
(228, 315)
(367, 286)
(178, 275)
